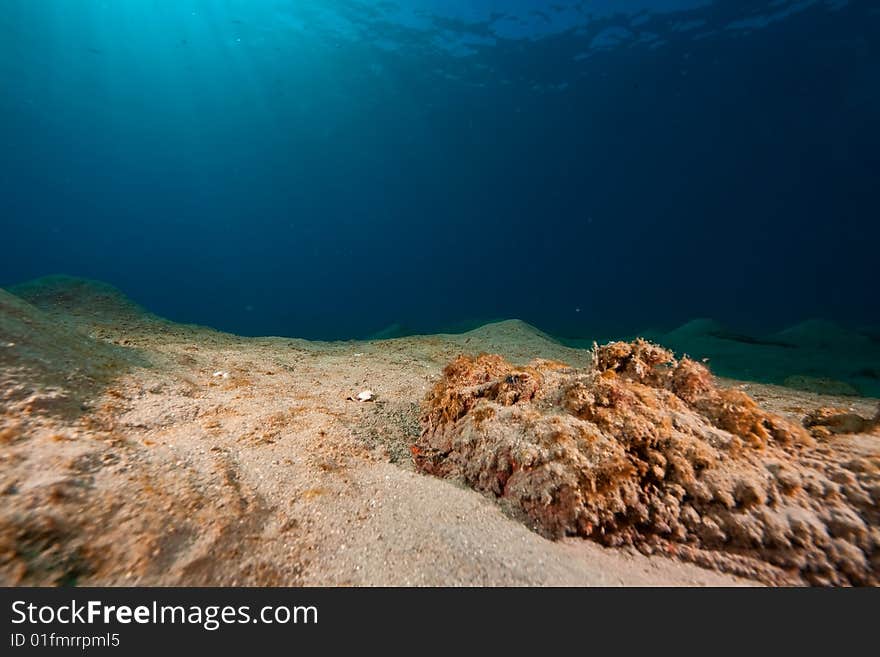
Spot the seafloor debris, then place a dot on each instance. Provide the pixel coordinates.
(363, 396)
(645, 450)
(824, 422)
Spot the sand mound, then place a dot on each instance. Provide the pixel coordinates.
(644, 449)
(74, 297)
(516, 340)
(50, 366)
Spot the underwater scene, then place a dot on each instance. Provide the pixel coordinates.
(439, 292)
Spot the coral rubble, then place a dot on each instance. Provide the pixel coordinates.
(646, 450)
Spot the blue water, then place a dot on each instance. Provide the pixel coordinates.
(326, 168)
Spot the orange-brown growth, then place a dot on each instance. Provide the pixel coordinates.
(647, 450)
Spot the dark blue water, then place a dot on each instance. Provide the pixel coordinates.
(327, 168)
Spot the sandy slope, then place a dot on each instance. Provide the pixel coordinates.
(192, 457)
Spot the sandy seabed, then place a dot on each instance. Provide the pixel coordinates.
(137, 451)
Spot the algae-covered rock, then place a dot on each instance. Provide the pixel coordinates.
(643, 449)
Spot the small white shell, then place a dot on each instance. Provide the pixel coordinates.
(365, 396)
(221, 374)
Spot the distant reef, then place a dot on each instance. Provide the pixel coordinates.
(815, 355)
